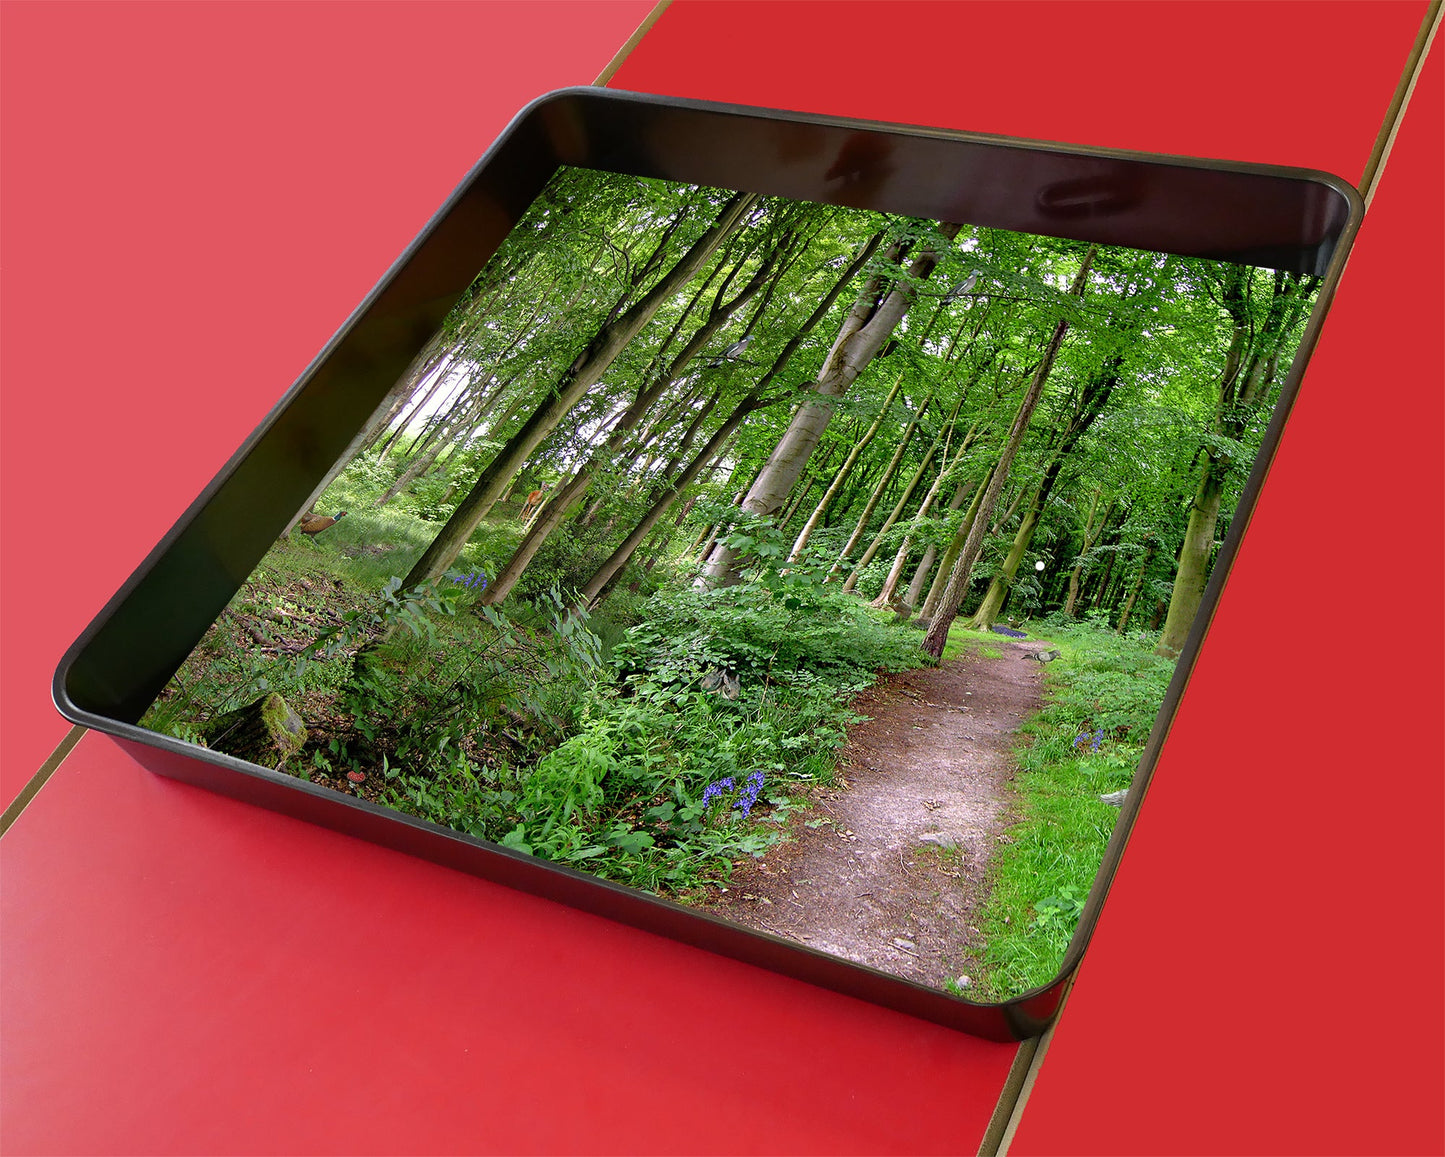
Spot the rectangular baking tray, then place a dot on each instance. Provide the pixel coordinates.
(1298, 220)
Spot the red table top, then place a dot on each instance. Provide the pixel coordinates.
(195, 197)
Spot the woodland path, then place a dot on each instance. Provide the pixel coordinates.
(888, 868)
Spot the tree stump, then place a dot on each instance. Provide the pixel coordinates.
(267, 732)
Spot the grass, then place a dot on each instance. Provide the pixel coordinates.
(962, 641)
(554, 741)
(1102, 686)
(672, 740)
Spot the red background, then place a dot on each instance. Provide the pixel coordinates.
(194, 197)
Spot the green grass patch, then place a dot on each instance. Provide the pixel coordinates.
(1102, 696)
(961, 641)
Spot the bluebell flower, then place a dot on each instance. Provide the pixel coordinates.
(751, 789)
(713, 790)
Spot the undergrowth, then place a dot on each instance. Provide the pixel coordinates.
(1102, 696)
(656, 745)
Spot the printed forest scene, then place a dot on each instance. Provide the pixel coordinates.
(817, 568)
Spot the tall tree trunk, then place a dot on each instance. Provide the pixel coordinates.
(427, 362)
(895, 572)
(797, 502)
(879, 488)
(584, 372)
(1149, 548)
(955, 548)
(1092, 400)
(945, 436)
(893, 517)
(930, 556)
(993, 599)
(868, 325)
(555, 512)
(958, 580)
(842, 476)
(1101, 585)
(666, 496)
(455, 429)
(1092, 531)
(1194, 554)
(1249, 370)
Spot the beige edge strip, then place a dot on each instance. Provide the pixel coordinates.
(1370, 179)
(37, 781)
(632, 42)
(67, 745)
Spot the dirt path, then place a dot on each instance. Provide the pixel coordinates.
(888, 868)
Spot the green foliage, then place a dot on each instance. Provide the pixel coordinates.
(1105, 687)
(670, 735)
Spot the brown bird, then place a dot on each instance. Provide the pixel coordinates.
(313, 524)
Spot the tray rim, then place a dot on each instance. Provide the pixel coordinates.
(1018, 1018)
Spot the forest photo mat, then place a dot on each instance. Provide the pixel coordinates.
(821, 568)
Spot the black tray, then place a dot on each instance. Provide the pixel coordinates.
(1291, 219)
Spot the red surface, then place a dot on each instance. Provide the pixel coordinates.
(210, 977)
(185, 974)
(1276, 81)
(1288, 863)
(195, 197)
(1267, 978)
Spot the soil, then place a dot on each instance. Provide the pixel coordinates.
(889, 867)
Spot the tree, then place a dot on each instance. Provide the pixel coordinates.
(876, 313)
(962, 570)
(1261, 329)
(722, 309)
(586, 369)
(755, 400)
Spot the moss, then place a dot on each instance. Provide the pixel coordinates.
(283, 725)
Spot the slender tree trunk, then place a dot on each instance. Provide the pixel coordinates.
(1002, 583)
(447, 436)
(879, 489)
(584, 372)
(1101, 584)
(872, 320)
(1194, 554)
(396, 398)
(555, 512)
(668, 495)
(963, 569)
(895, 573)
(930, 556)
(893, 517)
(427, 362)
(842, 476)
(803, 493)
(955, 548)
(1092, 400)
(1091, 535)
(1249, 370)
(1149, 548)
(437, 378)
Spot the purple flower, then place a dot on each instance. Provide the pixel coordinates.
(713, 790)
(750, 792)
